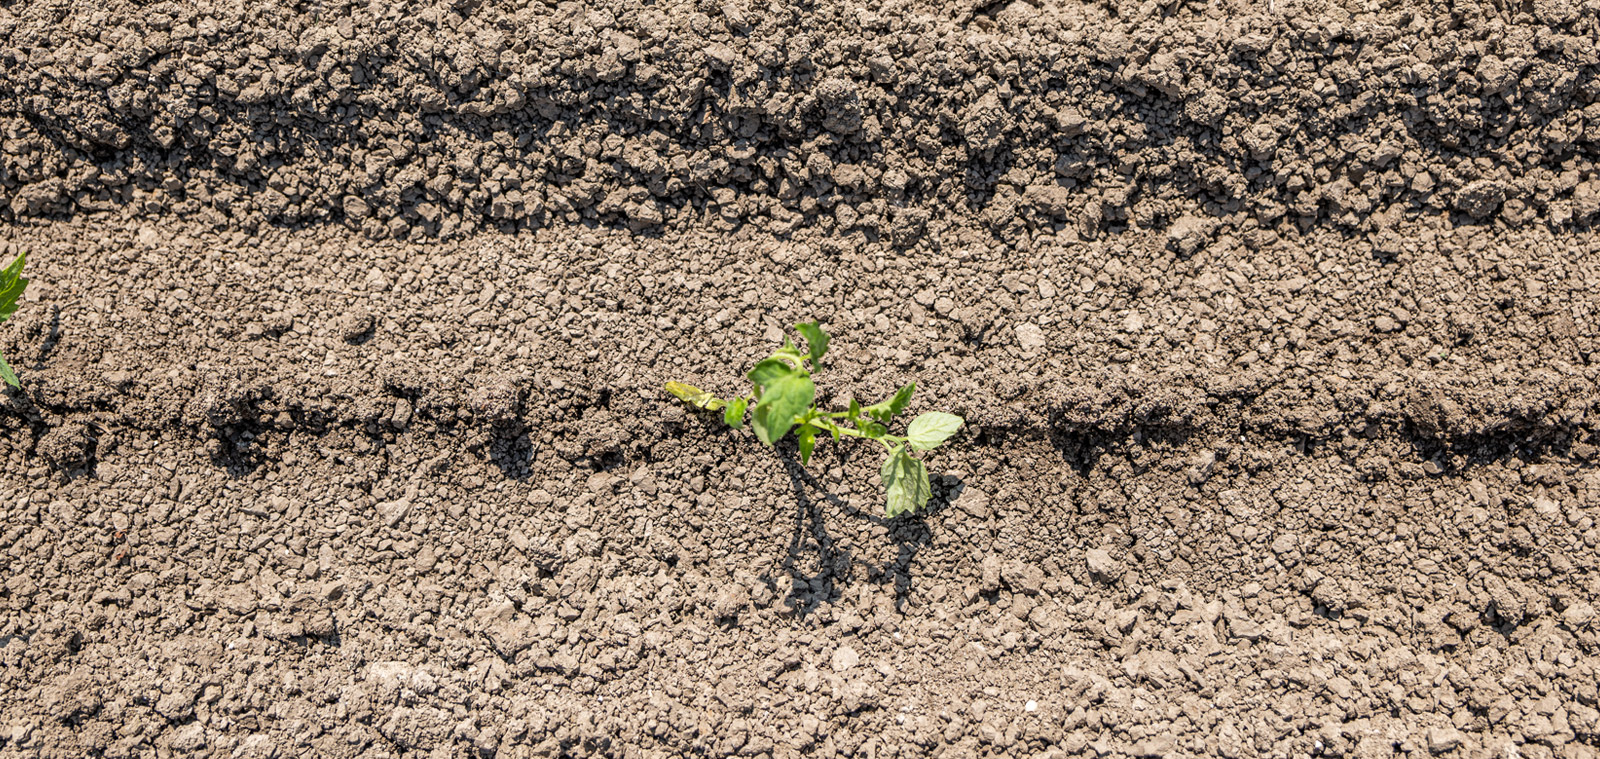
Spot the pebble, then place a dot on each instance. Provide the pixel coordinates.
(844, 658)
(1102, 565)
(1442, 739)
(1030, 337)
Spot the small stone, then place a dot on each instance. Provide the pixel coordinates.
(1157, 746)
(355, 207)
(1070, 121)
(355, 324)
(495, 402)
(257, 746)
(1481, 198)
(989, 574)
(1578, 615)
(190, 737)
(176, 705)
(844, 658)
(1030, 337)
(1188, 234)
(1201, 467)
(1241, 627)
(1442, 739)
(1102, 565)
(394, 512)
(733, 599)
(1023, 577)
(974, 502)
(425, 559)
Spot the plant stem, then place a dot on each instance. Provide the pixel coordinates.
(889, 441)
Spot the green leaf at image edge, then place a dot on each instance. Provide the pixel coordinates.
(780, 403)
(930, 429)
(12, 283)
(905, 483)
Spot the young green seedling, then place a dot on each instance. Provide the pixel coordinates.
(781, 399)
(12, 284)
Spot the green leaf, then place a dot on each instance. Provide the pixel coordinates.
(902, 398)
(780, 403)
(769, 370)
(807, 435)
(12, 283)
(734, 416)
(855, 408)
(905, 481)
(886, 410)
(696, 396)
(816, 342)
(931, 429)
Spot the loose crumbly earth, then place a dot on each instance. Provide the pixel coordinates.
(1276, 327)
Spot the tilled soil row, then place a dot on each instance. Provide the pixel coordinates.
(298, 492)
(499, 334)
(896, 122)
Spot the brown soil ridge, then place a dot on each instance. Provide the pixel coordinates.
(401, 348)
(415, 119)
(299, 492)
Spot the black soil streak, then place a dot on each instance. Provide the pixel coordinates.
(342, 432)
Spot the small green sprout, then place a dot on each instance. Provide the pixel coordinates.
(782, 400)
(12, 283)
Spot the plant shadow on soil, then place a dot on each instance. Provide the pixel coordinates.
(909, 533)
(1530, 444)
(512, 451)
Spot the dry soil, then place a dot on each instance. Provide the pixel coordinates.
(342, 433)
